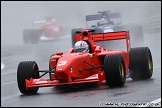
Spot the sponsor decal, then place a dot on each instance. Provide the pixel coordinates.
(59, 69)
(39, 82)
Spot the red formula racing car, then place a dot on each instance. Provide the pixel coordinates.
(43, 30)
(99, 65)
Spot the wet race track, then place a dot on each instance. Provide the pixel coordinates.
(145, 91)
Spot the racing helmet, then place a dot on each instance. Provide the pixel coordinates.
(103, 20)
(81, 46)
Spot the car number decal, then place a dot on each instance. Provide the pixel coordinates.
(62, 63)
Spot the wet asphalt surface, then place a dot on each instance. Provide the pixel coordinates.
(84, 96)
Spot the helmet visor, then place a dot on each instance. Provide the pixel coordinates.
(80, 50)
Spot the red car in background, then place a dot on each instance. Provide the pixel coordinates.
(45, 29)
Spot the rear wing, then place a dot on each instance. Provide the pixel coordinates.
(113, 36)
(39, 22)
(99, 16)
(114, 15)
(110, 36)
(43, 21)
(93, 17)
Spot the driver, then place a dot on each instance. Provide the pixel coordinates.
(103, 21)
(81, 46)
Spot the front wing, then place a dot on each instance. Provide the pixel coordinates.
(41, 82)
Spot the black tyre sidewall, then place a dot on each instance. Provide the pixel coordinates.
(139, 68)
(25, 70)
(112, 71)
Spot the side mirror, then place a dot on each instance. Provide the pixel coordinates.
(97, 50)
(77, 32)
(91, 30)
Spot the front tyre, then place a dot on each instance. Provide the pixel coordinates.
(115, 72)
(26, 70)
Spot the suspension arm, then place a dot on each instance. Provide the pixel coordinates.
(95, 67)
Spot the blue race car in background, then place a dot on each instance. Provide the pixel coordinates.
(106, 21)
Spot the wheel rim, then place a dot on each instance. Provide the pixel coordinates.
(36, 74)
(149, 63)
(121, 70)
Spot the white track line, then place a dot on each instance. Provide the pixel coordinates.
(157, 67)
(8, 83)
(2, 65)
(153, 103)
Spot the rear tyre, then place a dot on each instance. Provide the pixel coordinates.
(26, 70)
(115, 72)
(31, 36)
(141, 63)
(26, 36)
